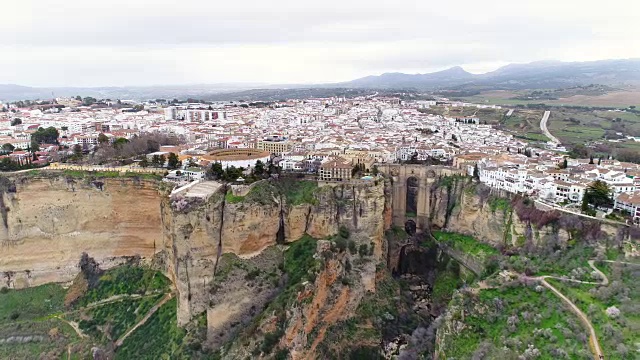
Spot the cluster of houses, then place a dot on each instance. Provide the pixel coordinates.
(542, 178)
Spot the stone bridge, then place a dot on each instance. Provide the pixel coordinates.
(411, 190)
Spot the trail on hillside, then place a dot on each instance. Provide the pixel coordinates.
(75, 327)
(155, 308)
(593, 339)
(594, 344)
(605, 279)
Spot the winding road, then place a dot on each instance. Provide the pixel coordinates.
(543, 127)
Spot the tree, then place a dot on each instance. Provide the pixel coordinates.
(144, 162)
(79, 98)
(564, 164)
(599, 161)
(173, 162)
(598, 194)
(591, 160)
(49, 135)
(16, 121)
(102, 138)
(258, 169)
(119, 142)
(476, 172)
(374, 170)
(64, 128)
(162, 160)
(579, 151)
(34, 145)
(155, 160)
(215, 171)
(88, 101)
(8, 147)
(77, 150)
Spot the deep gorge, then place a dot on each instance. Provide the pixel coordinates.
(226, 254)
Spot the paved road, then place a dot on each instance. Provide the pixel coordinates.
(543, 127)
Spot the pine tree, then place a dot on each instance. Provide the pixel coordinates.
(476, 172)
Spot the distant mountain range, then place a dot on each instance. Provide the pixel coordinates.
(535, 75)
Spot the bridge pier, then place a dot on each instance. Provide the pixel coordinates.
(404, 176)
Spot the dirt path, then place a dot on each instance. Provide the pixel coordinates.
(116, 298)
(605, 279)
(621, 262)
(593, 339)
(144, 319)
(75, 327)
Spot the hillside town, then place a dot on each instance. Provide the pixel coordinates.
(334, 139)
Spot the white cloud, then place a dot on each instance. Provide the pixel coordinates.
(131, 42)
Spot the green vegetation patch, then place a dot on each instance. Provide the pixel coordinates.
(464, 243)
(555, 263)
(499, 204)
(301, 192)
(619, 330)
(503, 322)
(299, 263)
(31, 303)
(233, 199)
(81, 174)
(49, 339)
(126, 279)
(114, 319)
(159, 338)
(262, 192)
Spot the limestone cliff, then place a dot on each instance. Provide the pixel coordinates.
(504, 220)
(49, 221)
(198, 235)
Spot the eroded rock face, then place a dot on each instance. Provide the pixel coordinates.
(195, 238)
(49, 222)
(492, 216)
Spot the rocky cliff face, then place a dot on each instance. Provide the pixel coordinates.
(503, 220)
(197, 237)
(48, 222)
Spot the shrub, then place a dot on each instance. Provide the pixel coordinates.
(252, 274)
(4, 290)
(344, 232)
(270, 341)
(353, 249)
(341, 243)
(363, 250)
(14, 315)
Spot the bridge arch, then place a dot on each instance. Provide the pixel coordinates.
(411, 201)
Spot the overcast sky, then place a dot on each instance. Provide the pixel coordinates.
(140, 42)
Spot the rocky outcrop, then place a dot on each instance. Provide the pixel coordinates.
(196, 237)
(49, 221)
(504, 220)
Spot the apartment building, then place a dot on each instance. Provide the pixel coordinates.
(275, 145)
(335, 169)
